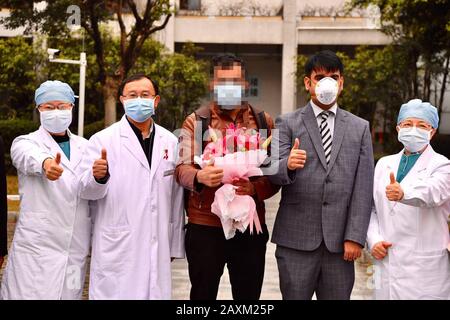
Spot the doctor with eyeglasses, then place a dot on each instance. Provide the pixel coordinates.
(408, 233)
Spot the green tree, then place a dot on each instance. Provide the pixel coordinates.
(17, 78)
(183, 81)
(421, 29)
(19, 63)
(69, 73)
(375, 86)
(52, 19)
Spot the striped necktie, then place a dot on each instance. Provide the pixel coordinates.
(325, 133)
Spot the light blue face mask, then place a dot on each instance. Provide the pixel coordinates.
(228, 96)
(139, 109)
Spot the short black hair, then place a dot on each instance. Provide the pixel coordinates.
(326, 59)
(135, 77)
(226, 60)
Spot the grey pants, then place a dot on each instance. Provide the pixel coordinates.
(304, 272)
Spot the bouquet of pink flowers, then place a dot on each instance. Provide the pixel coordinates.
(240, 154)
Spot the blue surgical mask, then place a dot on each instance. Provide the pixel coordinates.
(139, 109)
(414, 139)
(228, 96)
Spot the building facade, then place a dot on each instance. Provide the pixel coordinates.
(268, 35)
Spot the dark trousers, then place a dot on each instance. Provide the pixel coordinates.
(208, 251)
(304, 272)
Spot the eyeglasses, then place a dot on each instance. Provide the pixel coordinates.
(143, 95)
(51, 107)
(408, 125)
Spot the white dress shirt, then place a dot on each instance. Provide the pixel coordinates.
(330, 120)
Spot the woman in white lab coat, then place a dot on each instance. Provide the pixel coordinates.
(138, 216)
(47, 259)
(408, 232)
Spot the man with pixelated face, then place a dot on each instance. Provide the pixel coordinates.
(207, 249)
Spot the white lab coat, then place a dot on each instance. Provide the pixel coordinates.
(47, 259)
(417, 265)
(138, 215)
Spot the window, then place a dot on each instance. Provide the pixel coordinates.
(190, 4)
(253, 87)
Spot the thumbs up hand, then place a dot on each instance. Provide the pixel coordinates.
(297, 157)
(394, 191)
(100, 166)
(392, 178)
(52, 169)
(379, 250)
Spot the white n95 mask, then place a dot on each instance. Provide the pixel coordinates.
(56, 121)
(326, 90)
(414, 139)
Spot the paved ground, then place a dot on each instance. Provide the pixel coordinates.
(270, 290)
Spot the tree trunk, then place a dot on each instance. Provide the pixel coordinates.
(426, 93)
(443, 87)
(109, 89)
(415, 88)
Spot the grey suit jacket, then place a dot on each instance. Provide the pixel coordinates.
(319, 202)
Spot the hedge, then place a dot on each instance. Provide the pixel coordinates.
(10, 129)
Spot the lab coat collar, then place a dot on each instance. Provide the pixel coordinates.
(52, 145)
(419, 166)
(132, 143)
(135, 148)
(159, 149)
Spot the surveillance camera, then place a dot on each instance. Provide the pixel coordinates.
(52, 53)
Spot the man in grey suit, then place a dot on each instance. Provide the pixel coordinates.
(325, 168)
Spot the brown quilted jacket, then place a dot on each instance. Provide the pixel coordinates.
(198, 198)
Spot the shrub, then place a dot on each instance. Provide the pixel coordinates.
(92, 128)
(9, 130)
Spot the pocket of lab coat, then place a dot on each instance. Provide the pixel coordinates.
(114, 248)
(434, 274)
(166, 171)
(20, 277)
(110, 260)
(31, 230)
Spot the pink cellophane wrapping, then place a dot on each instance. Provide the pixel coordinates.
(236, 212)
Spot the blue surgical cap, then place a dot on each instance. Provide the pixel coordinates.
(53, 90)
(415, 108)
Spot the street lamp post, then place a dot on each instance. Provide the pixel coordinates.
(81, 93)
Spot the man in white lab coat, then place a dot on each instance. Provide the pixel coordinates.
(51, 242)
(408, 232)
(138, 215)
